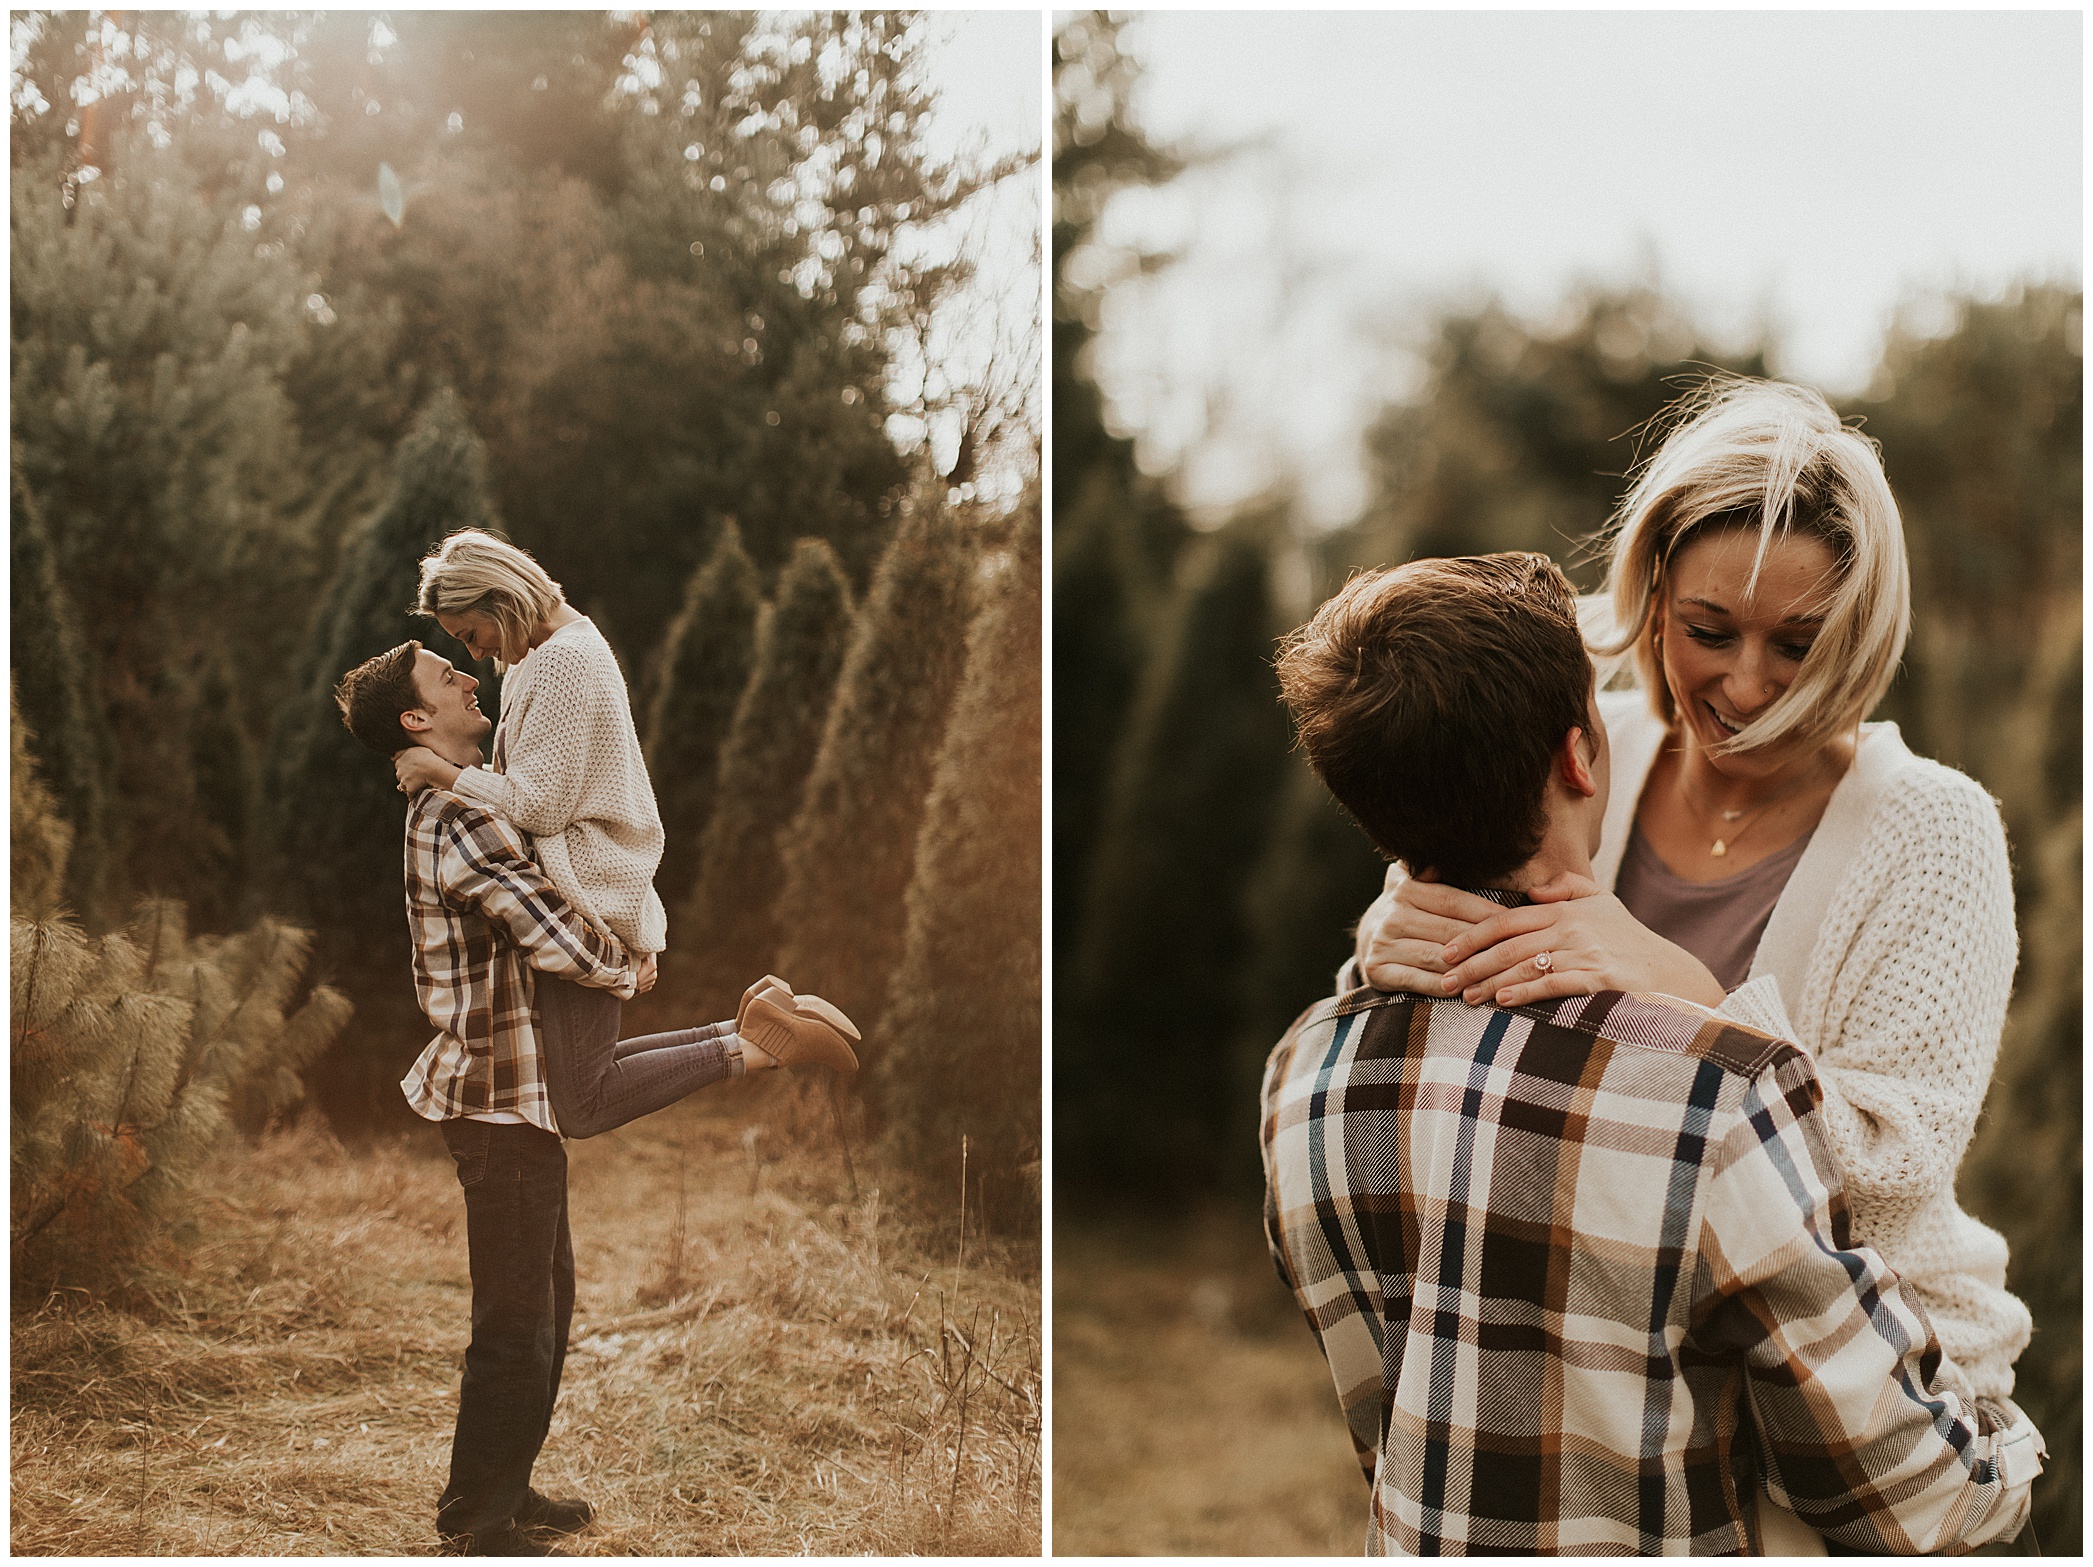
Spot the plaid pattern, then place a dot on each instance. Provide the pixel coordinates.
(481, 917)
(1583, 1277)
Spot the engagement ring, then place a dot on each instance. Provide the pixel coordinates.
(1544, 962)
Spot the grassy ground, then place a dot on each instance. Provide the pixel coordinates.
(762, 1362)
(1193, 1415)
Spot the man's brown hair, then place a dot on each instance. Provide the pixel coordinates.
(374, 694)
(1430, 700)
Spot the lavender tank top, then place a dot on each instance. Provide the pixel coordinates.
(1719, 922)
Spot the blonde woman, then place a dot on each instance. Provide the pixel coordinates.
(1765, 850)
(567, 770)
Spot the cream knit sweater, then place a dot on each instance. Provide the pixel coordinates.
(1889, 957)
(567, 770)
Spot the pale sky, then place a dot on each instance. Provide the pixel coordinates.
(987, 68)
(1813, 170)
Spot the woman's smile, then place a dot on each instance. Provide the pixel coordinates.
(1734, 641)
(1725, 724)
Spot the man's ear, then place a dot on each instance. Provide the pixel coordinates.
(415, 721)
(1573, 762)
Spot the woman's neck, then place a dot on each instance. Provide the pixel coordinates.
(1712, 788)
(563, 614)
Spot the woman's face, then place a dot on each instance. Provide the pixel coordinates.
(1732, 646)
(478, 633)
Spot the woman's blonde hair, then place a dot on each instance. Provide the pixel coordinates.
(474, 573)
(1773, 457)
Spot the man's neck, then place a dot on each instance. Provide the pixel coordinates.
(1562, 849)
(456, 755)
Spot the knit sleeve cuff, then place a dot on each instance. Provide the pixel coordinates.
(1757, 1004)
(478, 783)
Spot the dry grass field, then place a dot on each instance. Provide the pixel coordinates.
(763, 1361)
(1193, 1415)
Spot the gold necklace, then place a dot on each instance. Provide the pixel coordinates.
(1721, 846)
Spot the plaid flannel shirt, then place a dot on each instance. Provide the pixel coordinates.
(482, 917)
(1583, 1276)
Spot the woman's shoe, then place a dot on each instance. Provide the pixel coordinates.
(794, 1037)
(781, 995)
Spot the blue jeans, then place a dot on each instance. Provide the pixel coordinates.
(522, 1259)
(597, 1082)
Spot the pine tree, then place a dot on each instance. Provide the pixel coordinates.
(131, 1056)
(340, 813)
(727, 932)
(227, 771)
(851, 850)
(39, 837)
(1141, 1085)
(1106, 597)
(1116, 534)
(1519, 439)
(710, 649)
(1980, 432)
(154, 332)
(51, 686)
(1316, 876)
(960, 1039)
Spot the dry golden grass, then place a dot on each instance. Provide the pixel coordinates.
(1193, 1415)
(762, 1363)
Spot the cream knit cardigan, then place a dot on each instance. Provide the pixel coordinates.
(573, 778)
(1889, 957)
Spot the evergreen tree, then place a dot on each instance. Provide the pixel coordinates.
(1300, 904)
(131, 1055)
(39, 837)
(153, 329)
(661, 260)
(1522, 438)
(705, 668)
(960, 1039)
(1141, 1080)
(50, 684)
(227, 770)
(339, 811)
(727, 933)
(849, 853)
(1980, 433)
(1116, 535)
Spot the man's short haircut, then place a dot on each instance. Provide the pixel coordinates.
(1430, 699)
(374, 694)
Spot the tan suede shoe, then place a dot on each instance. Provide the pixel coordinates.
(781, 995)
(794, 1038)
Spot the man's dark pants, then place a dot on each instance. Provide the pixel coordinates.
(515, 1181)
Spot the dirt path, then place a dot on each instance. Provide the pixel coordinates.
(1193, 1415)
(762, 1363)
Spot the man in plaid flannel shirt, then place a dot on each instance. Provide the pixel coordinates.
(482, 917)
(1581, 1269)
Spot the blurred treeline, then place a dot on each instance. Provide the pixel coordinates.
(1205, 886)
(296, 294)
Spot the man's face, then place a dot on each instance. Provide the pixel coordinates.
(450, 715)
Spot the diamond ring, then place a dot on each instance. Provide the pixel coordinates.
(1544, 962)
